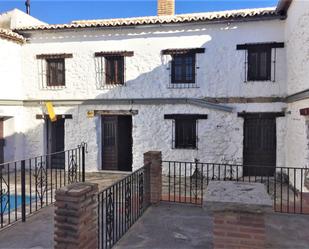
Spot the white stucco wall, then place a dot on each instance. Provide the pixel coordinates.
(297, 49)
(297, 138)
(220, 74)
(223, 144)
(221, 67)
(17, 19)
(13, 131)
(220, 136)
(297, 46)
(11, 89)
(10, 70)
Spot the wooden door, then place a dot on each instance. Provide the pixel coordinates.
(55, 138)
(259, 144)
(1, 142)
(109, 142)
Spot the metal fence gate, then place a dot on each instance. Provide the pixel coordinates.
(29, 185)
(186, 182)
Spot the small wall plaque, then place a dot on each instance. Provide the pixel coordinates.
(90, 114)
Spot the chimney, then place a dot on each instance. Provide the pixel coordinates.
(166, 7)
(27, 3)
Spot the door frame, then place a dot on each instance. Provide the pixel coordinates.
(247, 115)
(103, 114)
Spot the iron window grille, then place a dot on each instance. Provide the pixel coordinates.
(51, 71)
(185, 130)
(111, 68)
(260, 61)
(183, 67)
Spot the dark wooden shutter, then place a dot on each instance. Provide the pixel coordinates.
(114, 69)
(259, 63)
(185, 133)
(55, 72)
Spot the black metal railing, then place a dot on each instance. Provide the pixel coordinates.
(29, 185)
(186, 182)
(120, 205)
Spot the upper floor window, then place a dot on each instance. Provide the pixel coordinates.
(52, 70)
(183, 67)
(260, 64)
(114, 70)
(110, 67)
(185, 130)
(55, 72)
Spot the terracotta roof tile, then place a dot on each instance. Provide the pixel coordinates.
(184, 18)
(10, 35)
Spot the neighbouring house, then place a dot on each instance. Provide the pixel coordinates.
(229, 86)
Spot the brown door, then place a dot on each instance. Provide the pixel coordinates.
(1, 141)
(55, 138)
(259, 144)
(109, 143)
(117, 143)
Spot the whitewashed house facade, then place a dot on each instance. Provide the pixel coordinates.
(210, 86)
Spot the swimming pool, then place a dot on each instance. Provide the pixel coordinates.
(14, 203)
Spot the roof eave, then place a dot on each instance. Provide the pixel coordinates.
(100, 26)
(13, 38)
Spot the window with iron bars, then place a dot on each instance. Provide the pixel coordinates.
(55, 72)
(111, 68)
(260, 61)
(51, 68)
(185, 130)
(114, 70)
(183, 67)
(185, 134)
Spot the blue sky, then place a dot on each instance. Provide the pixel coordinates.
(57, 11)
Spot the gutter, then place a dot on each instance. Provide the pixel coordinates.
(137, 101)
(298, 96)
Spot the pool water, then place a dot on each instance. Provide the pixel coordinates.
(14, 203)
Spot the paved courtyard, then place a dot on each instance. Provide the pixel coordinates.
(166, 226)
(182, 226)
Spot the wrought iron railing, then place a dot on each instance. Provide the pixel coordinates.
(186, 182)
(29, 185)
(120, 205)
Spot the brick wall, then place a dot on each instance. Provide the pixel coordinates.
(166, 7)
(76, 217)
(239, 230)
(153, 159)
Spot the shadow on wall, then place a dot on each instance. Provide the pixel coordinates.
(150, 76)
(153, 83)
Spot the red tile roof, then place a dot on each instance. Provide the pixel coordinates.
(10, 35)
(230, 15)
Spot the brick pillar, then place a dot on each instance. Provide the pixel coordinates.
(239, 210)
(154, 161)
(239, 230)
(76, 217)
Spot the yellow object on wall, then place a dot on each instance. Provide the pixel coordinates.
(51, 112)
